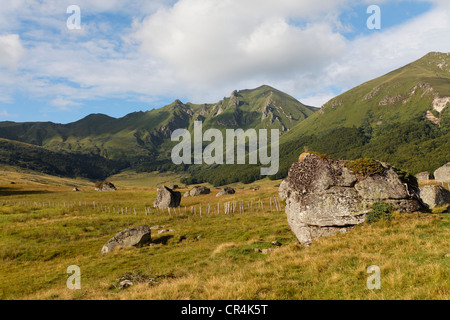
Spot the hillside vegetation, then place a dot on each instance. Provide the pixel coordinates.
(401, 118)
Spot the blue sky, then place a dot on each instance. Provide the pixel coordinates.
(138, 55)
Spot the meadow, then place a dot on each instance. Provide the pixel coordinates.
(45, 228)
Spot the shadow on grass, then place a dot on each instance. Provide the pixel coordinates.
(13, 192)
(162, 240)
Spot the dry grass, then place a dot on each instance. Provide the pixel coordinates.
(216, 260)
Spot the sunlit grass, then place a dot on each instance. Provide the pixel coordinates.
(209, 257)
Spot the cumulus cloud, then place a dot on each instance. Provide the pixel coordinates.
(11, 50)
(200, 49)
(206, 42)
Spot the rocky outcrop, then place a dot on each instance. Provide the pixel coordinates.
(133, 237)
(167, 198)
(435, 196)
(423, 176)
(105, 186)
(196, 191)
(226, 191)
(324, 196)
(443, 173)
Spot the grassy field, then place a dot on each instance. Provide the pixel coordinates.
(45, 228)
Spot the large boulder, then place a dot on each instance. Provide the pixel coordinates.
(105, 186)
(226, 191)
(198, 190)
(325, 196)
(167, 198)
(443, 173)
(133, 237)
(434, 196)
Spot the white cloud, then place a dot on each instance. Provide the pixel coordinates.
(200, 49)
(206, 42)
(11, 50)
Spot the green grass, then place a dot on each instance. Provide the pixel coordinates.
(217, 258)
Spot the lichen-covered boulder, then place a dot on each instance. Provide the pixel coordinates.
(167, 198)
(435, 196)
(326, 196)
(132, 237)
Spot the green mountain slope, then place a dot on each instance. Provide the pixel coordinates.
(143, 138)
(404, 94)
(402, 118)
(65, 164)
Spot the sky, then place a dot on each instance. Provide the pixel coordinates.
(138, 55)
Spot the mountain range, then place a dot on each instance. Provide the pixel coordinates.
(402, 118)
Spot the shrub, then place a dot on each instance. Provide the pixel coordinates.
(380, 211)
(365, 167)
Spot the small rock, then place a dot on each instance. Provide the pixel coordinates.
(257, 250)
(132, 237)
(447, 255)
(165, 231)
(266, 251)
(125, 284)
(434, 196)
(276, 243)
(157, 227)
(226, 191)
(182, 238)
(105, 186)
(198, 190)
(75, 189)
(167, 198)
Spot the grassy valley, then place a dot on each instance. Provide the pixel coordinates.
(206, 256)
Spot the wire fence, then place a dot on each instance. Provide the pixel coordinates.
(232, 207)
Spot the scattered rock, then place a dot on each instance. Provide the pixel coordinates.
(105, 186)
(198, 190)
(167, 198)
(132, 237)
(267, 251)
(257, 250)
(75, 189)
(423, 176)
(157, 227)
(125, 284)
(435, 196)
(165, 231)
(324, 197)
(226, 191)
(443, 173)
(276, 243)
